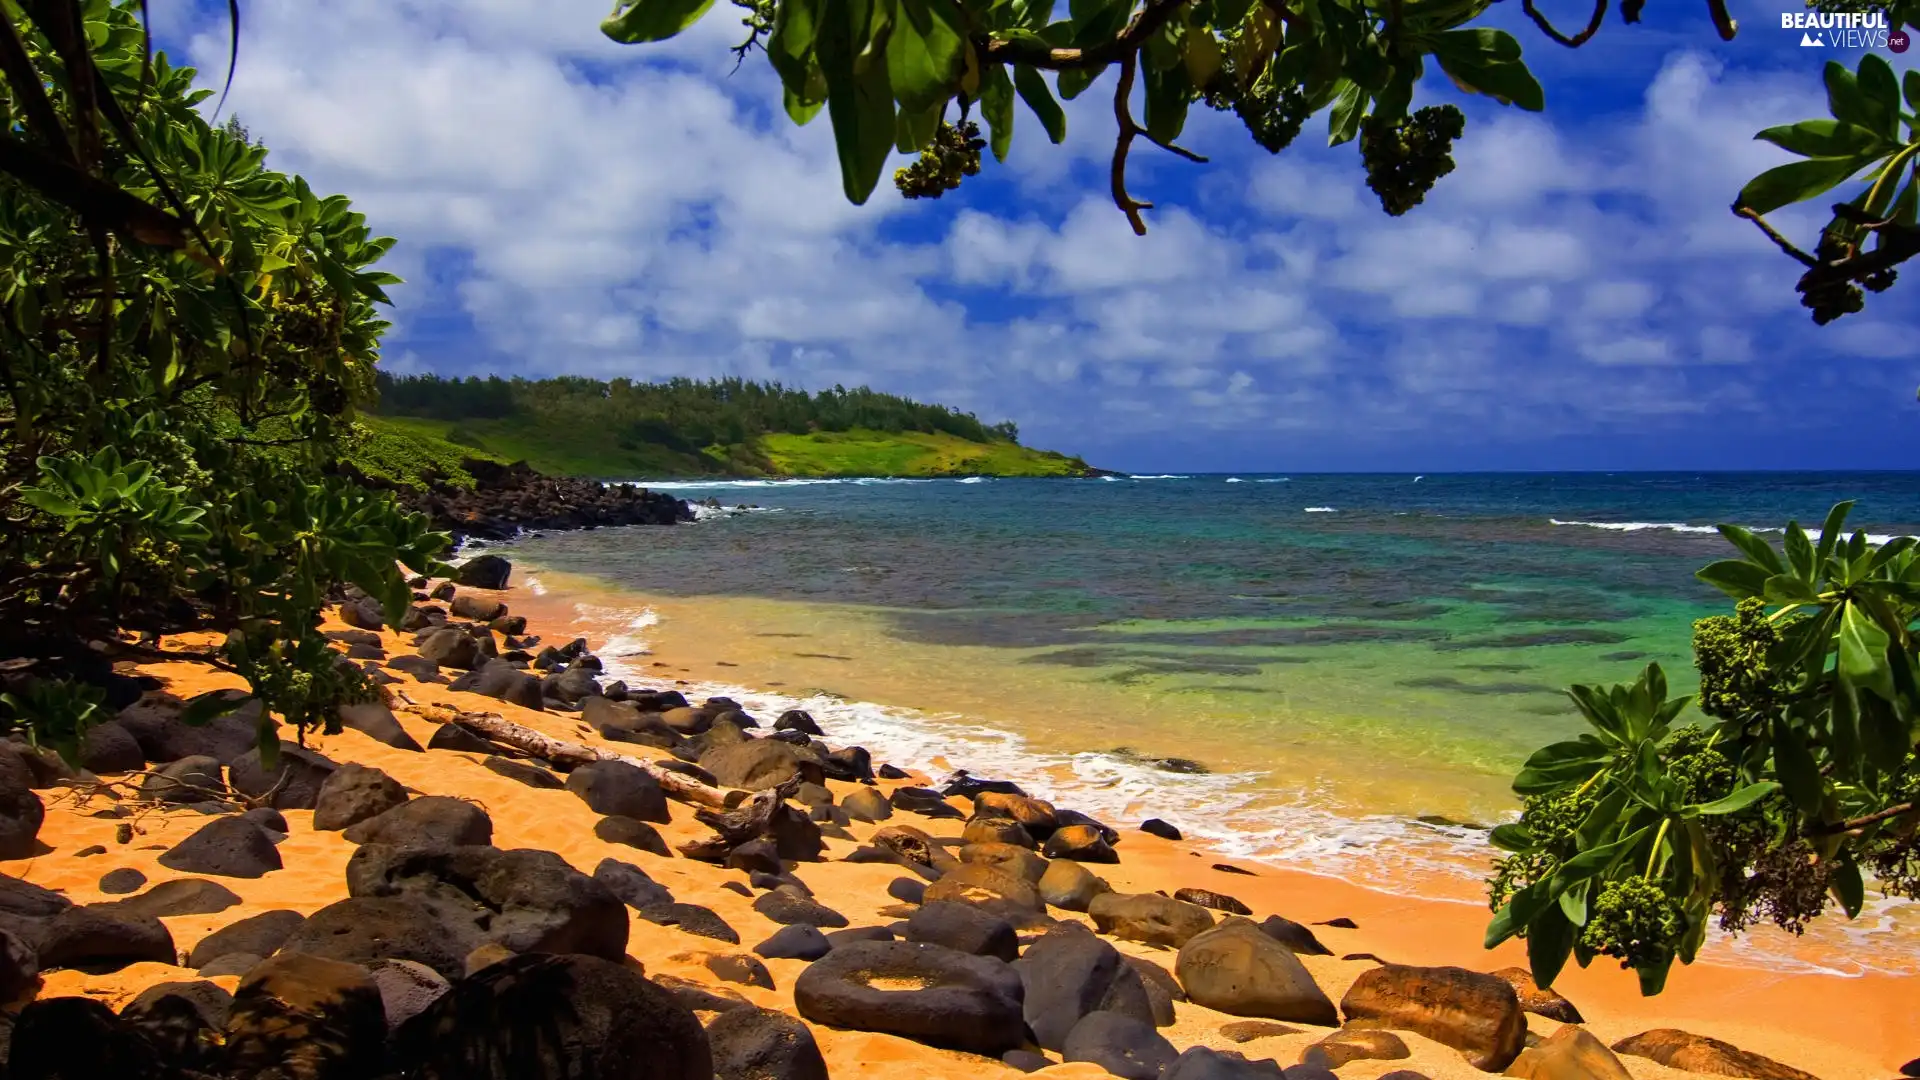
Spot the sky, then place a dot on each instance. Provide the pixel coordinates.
(1576, 295)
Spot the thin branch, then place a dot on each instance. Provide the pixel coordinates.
(1722, 21)
(1142, 26)
(146, 653)
(1773, 234)
(1123, 144)
(1577, 40)
(1855, 824)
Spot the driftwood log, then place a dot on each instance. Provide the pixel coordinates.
(560, 752)
(764, 816)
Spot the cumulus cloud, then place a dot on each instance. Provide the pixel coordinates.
(564, 204)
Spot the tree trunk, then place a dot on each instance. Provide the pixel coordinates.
(501, 730)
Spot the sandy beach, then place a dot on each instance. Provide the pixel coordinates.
(1835, 1028)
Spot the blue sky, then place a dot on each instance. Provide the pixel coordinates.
(1575, 296)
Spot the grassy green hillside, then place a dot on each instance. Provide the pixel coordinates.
(399, 448)
(683, 429)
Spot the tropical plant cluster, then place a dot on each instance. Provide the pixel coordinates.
(911, 76)
(682, 414)
(1796, 790)
(185, 335)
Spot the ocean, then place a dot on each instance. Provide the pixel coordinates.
(1338, 673)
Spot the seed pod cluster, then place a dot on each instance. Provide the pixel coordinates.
(1406, 156)
(953, 155)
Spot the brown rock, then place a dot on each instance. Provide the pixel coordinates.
(1156, 920)
(1207, 898)
(1243, 1031)
(997, 831)
(1547, 1003)
(1081, 843)
(1571, 1054)
(1678, 1049)
(1476, 1014)
(1355, 1044)
(305, 1017)
(1069, 886)
(1036, 814)
(1235, 969)
(907, 842)
(988, 886)
(1018, 861)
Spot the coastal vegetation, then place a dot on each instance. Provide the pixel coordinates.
(692, 428)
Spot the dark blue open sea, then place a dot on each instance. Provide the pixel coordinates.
(1343, 655)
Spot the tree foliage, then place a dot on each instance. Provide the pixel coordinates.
(909, 76)
(172, 385)
(1797, 789)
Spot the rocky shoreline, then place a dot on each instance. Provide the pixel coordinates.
(411, 898)
(507, 500)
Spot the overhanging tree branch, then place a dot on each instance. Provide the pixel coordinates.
(1138, 29)
(1577, 40)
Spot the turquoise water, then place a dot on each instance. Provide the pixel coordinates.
(1343, 654)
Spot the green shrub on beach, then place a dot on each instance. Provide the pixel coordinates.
(1799, 789)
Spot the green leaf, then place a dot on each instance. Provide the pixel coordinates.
(1735, 577)
(1738, 800)
(859, 102)
(1799, 552)
(636, 21)
(1557, 766)
(1787, 589)
(1880, 91)
(1349, 108)
(914, 130)
(1168, 93)
(1573, 904)
(1033, 90)
(266, 735)
(1488, 62)
(48, 503)
(1653, 977)
(1847, 886)
(1479, 45)
(1799, 181)
(210, 706)
(1830, 533)
(1549, 941)
(800, 110)
(1595, 861)
(925, 57)
(1844, 99)
(1097, 20)
(796, 27)
(1794, 764)
(1823, 139)
(1074, 81)
(1863, 651)
(1911, 83)
(1512, 836)
(1517, 913)
(996, 105)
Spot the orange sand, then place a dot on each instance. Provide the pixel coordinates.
(1837, 1028)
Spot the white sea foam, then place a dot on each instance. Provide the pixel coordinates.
(971, 480)
(1160, 476)
(1320, 510)
(532, 584)
(1275, 480)
(1681, 527)
(1235, 480)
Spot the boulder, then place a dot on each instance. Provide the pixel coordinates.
(1476, 1014)
(1201, 1063)
(459, 738)
(797, 941)
(1207, 898)
(428, 821)
(907, 890)
(923, 801)
(1069, 886)
(155, 724)
(354, 793)
(1571, 1053)
(306, 1017)
(1065, 818)
(362, 615)
(377, 722)
(967, 786)
(918, 991)
(687, 720)
(235, 964)
(736, 968)
(1017, 861)
(225, 847)
(124, 880)
(756, 857)
(1081, 843)
(1000, 831)
(500, 680)
(798, 720)
(110, 748)
(451, 647)
(1686, 1051)
(1355, 1044)
(1153, 826)
(419, 668)
(788, 905)
(1149, 918)
(98, 939)
(484, 572)
(906, 842)
(1533, 999)
(190, 779)
(181, 896)
(989, 887)
(526, 900)
(693, 919)
(758, 764)
(572, 686)
(407, 988)
(1122, 1045)
(630, 884)
(617, 787)
(294, 783)
(477, 608)
(19, 965)
(1068, 973)
(761, 1044)
(852, 764)
(566, 1017)
(1293, 936)
(1037, 816)
(183, 1020)
(633, 833)
(840, 938)
(1235, 969)
(366, 930)
(867, 804)
(963, 927)
(259, 935)
(67, 1038)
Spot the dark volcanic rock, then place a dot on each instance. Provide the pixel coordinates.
(631, 884)
(616, 787)
(188, 780)
(1293, 936)
(260, 935)
(484, 572)
(761, 1044)
(1122, 1045)
(182, 896)
(788, 905)
(798, 941)
(632, 833)
(508, 498)
(1202, 1063)
(1155, 827)
(1156, 920)
(500, 680)
(693, 919)
(963, 1002)
(124, 880)
(355, 793)
(1069, 973)
(1081, 843)
(294, 783)
(554, 1018)
(306, 1017)
(798, 720)
(18, 963)
(479, 609)
(429, 821)
(183, 1020)
(225, 847)
(67, 1038)
(867, 804)
(907, 890)
(964, 927)
(101, 939)
(923, 801)
(110, 748)
(459, 737)
(1207, 898)
(531, 775)
(366, 930)
(155, 724)
(377, 722)
(406, 989)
